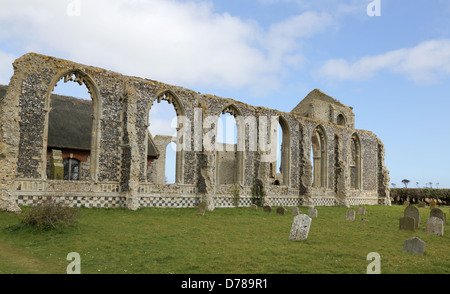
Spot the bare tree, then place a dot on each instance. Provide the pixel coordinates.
(405, 182)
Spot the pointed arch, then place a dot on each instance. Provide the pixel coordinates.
(172, 99)
(355, 162)
(82, 78)
(238, 161)
(341, 120)
(319, 155)
(285, 151)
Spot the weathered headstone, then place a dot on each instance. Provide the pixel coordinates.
(361, 210)
(295, 211)
(437, 212)
(254, 206)
(435, 226)
(201, 208)
(413, 212)
(267, 208)
(407, 223)
(422, 204)
(281, 210)
(432, 203)
(300, 227)
(414, 246)
(350, 215)
(406, 203)
(312, 212)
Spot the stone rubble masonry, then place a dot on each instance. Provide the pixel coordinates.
(119, 174)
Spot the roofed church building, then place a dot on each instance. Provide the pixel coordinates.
(99, 152)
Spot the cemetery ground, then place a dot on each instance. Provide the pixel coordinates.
(224, 241)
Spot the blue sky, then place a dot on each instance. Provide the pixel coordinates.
(393, 69)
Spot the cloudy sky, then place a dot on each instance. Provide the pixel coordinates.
(390, 62)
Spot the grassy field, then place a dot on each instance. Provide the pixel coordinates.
(225, 241)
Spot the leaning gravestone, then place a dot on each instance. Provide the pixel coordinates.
(312, 212)
(437, 212)
(281, 210)
(361, 210)
(435, 226)
(413, 212)
(414, 246)
(406, 203)
(407, 223)
(295, 211)
(350, 215)
(267, 208)
(300, 227)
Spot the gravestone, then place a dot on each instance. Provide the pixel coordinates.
(300, 227)
(406, 203)
(413, 212)
(437, 212)
(435, 226)
(201, 208)
(281, 210)
(295, 211)
(422, 204)
(432, 203)
(312, 212)
(254, 206)
(414, 246)
(361, 210)
(267, 208)
(407, 223)
(350, 215)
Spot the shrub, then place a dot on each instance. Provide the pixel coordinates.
(49, 215)
(402, 194)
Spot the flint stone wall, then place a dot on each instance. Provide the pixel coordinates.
(118, 153)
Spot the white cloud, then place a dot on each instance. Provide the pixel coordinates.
(423, 63)
(171, 41)
(6, 69)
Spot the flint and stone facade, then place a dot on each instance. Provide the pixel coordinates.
(325, 160)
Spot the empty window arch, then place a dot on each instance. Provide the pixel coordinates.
(355, 162)
(340, 120)
(229, 147)
(164, 126)
(72, 124)
(319, 157)
(283, 153)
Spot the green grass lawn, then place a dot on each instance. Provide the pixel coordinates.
(225, 241)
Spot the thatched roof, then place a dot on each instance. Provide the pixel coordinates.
(70, 124)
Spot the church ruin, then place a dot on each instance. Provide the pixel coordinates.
(110, 159)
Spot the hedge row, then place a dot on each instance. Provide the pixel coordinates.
(399, 195)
